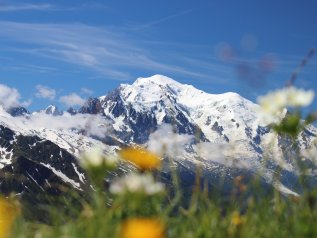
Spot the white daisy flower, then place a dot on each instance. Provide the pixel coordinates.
(95, 158)
(273, 106)
(136, 183)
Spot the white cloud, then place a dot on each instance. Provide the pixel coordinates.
(165, 141)
(162, 20)
(10, 97)
(45, 92)
(215, 152)
(26, 103)
(24, 7)
(87, 91)
(72, 99)
(94, 125)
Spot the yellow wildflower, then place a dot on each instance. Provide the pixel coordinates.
(143, 159)
(142, 228)
(8, 213)
(237, 219)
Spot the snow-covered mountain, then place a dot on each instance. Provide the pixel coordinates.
(221, 133)
(137, 110)
(158, 99)
(52, 110)
(225, 127)
(18, 111)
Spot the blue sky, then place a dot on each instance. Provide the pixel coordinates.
(61, 52)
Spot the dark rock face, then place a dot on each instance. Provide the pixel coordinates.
(141, 124)
(41, 172)
(6, 140)
(18, 111)
(38, 188)
(144, 125)
(182, 125)
(114, 103)
(248, 132)
(92, 106)
(138, 125)
(256, 140)
(219, 129)
(47, 153)
(6, 135)
(305, 135)
(72, 111)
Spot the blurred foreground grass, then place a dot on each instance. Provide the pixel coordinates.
(267, 217)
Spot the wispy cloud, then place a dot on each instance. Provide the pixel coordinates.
(87, 91)
(24, 7)
(27, 68)
(45, 92)
(161, 20)
(105, 50)
(93, 5)
(214, 66)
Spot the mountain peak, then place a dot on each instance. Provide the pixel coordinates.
(18, 111)
(151, 90)
(158, 80)
(52, 110)
(92, 106)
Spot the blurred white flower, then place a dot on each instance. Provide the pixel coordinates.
(299, 97)
(273, 105)
(95, 158)
(164, 141)
(272, 116)
(136, 183)
(310, 154)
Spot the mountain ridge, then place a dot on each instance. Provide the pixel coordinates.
(212, 129)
